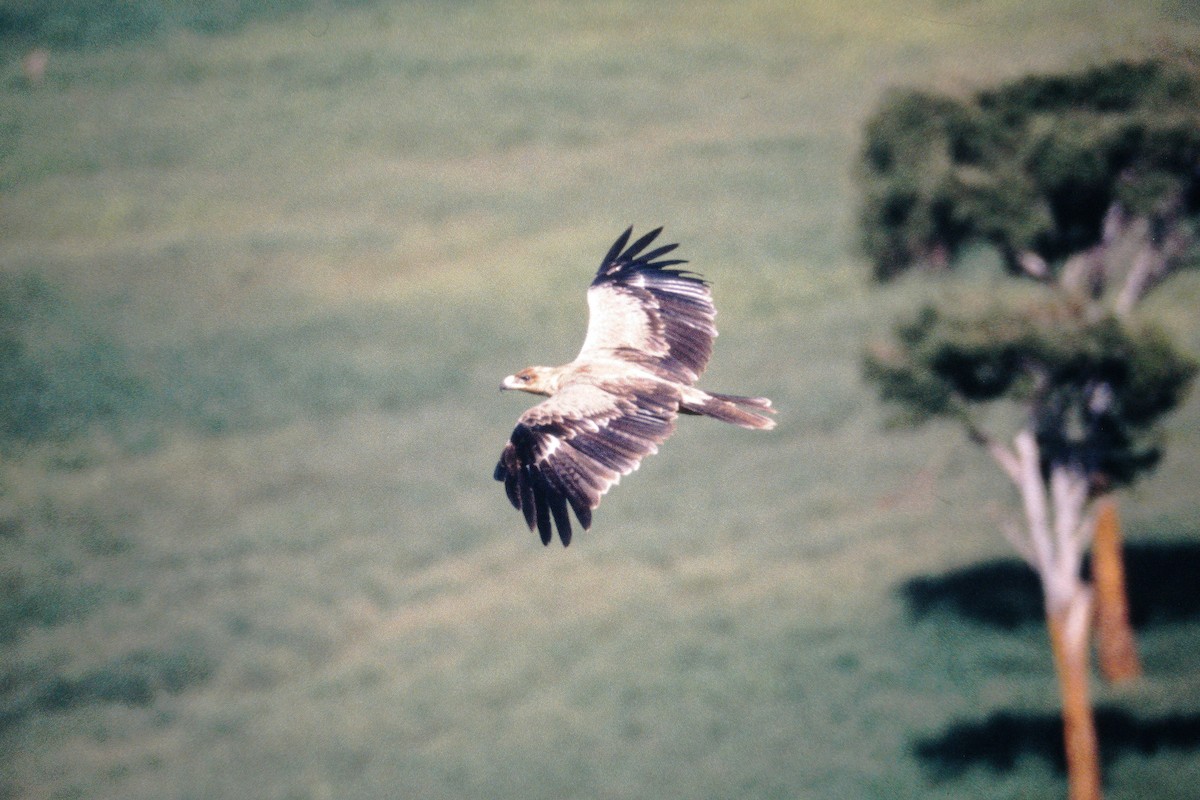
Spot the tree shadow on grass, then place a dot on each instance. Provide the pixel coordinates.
(1005, 594)
(1161, 579)
(999, 741)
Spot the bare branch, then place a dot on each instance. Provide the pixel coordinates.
(1068, 490)
(1166, 240)
(1002, 455)
(1086, 274)
(1033, 265)
(1068, 493)
(1085, 531)
(1147, 269)
(1033, 497)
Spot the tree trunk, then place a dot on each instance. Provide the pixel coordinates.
(1069, 640)
(1053, 544)
(1116, 648)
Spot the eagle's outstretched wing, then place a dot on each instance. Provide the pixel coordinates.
(641, 311)
(569, 449)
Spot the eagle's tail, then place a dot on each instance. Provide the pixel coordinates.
(727, 408)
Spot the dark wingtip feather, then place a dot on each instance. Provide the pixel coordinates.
(510, 489)
(618, 261)
(615, 250)
(632, 252)
(558, 509)
(527, 505)
(659, 251)
(541, 506)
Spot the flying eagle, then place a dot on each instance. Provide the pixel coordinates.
(649, 337)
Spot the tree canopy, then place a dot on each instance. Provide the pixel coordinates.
(1034, 167)
(1093, 389)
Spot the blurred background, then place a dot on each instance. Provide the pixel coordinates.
(262, 268)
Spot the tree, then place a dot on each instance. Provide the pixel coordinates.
(1049, 360)
(1088, 183)
(1049, 170)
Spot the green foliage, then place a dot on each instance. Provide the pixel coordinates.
(1093, 389)
(1030, 166)
(903, 378)
(1117, 87)
(1035, 166)
(912, 215)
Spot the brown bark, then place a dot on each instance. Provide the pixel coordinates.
(1069, 641)
(1116, 648)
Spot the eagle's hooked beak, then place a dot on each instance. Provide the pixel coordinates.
(510, 383)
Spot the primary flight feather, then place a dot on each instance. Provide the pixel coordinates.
(649, 336)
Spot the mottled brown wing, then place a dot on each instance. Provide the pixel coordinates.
(644, 312)
(568, 450)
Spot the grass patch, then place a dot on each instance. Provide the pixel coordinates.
(57, 377)
(134, 680)
(262, 286)
(23, 606)
(86, 23)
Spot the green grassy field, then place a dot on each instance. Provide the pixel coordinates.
(258, 290)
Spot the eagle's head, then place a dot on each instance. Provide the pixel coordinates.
(535, 380)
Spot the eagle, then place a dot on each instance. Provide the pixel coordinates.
(649, 336)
